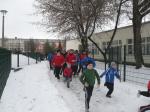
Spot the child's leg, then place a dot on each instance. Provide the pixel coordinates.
(110, 89)
(145, 93)
(58, 72)
(144, 108)
(88, 95)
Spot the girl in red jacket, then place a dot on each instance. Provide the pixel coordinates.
(58, 61)
(146, 94)
(68, 74)
(72, 59)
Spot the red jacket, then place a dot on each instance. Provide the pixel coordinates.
(71, 58)
(67, 72)
(82, 56)
(148, 86)
(58, 60)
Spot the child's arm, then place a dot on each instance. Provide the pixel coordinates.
(82, 78)
(117, 75)
(104, 73)
(98, 78)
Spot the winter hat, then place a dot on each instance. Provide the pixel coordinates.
(89, 62)
(113, 63)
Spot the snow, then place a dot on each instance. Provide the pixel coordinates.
(23, 60)
(30, 90)
(35, 89)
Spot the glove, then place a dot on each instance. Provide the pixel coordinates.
(86, 84)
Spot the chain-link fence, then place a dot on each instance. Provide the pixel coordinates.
(22, 59)
(124, 56)
(5, 68)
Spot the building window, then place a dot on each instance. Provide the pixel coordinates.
(148, 46)
(130, 46)
(130, 41)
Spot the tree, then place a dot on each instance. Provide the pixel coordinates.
(140, 9)
(104, 53)
(60, 45)
(78, 17)
(31, 46)
(136, 11)
(48, 48)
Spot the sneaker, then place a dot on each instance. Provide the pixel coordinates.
(108, 96)
(87, 110)
(138, 94)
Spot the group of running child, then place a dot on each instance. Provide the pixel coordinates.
(71, 63)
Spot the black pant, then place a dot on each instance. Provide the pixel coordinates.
(50, 64)
(144, 108)
(80, 68)
(63, 67)
(88, 94)
(57, 72)
(74, 69)
(145, 93)
(110, 87)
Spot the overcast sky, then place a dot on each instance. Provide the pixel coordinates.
(19, 18)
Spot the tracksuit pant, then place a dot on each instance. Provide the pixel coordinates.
(57, 72)
(80, 68)
(147, 107)
(144, 108)
(88, 94)
(110, 87)
(74, 69)
(145, 93)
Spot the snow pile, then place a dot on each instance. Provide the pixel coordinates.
(30, 90)
(23, 60)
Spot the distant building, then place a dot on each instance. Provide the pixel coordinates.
(26, 45)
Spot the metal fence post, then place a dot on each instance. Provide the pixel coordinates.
(18, 59)
(36, 57)
(117, 57)
(28, 59)
(124, 64)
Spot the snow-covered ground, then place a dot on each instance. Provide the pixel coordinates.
(35, 89)
(23, 60)
(30, 90)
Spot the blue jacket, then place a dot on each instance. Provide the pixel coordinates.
(86, 60)
(50, 56)
(110, 75)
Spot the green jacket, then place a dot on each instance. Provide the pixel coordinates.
(89, 77)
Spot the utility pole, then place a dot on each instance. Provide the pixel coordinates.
(3, 22)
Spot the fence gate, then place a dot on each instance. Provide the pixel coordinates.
(5, 68)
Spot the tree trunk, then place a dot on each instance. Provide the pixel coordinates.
(84, 42)
(137, 21)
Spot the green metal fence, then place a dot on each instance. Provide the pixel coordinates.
(5, 68)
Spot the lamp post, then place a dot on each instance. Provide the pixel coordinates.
(3, 21)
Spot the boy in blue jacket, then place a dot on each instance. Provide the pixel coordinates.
(110, 74)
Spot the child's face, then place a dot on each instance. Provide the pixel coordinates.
(58, 53)
(114, 66)
(90, 66)
(68, 65)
